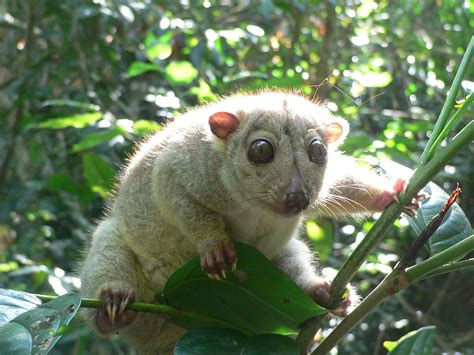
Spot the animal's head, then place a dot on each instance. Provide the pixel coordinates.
(276, 146)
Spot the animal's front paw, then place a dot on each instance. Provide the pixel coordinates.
(217, 257)
(390, 195)
(113, 315)
(320, 294)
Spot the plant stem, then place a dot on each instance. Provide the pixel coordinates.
(409, 257)
(451, 123)
(394, 282)
(159, 309)
(454, 266)
(420, 178)
(453, 253)
(449, 103)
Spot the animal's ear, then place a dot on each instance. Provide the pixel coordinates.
(336, 131)
(223, 123)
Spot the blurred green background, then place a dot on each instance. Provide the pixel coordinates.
(82, 81)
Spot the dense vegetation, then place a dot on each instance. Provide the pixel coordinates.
(82, 81)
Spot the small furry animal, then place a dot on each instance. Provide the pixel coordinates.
(247, 168)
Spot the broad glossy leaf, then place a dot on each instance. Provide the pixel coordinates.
(322, 236)
(418, 342)
(99, 173)
(35, 330)
(62, 182)
(75, 121)
(455, 226)
(182, 72)
(159, 50)
(257, 297)
(205, 341)
(143, 127)
(13, 303)
(72, 103)
(96, 138)
(138, 68)
(15, 339)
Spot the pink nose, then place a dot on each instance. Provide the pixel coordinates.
(296, 201)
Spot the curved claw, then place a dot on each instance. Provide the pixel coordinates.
(217, 258)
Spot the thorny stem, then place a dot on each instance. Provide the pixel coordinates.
(158, 309)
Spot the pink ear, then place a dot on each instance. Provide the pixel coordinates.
(223, 123)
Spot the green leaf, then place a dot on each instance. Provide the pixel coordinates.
(143, 127)
(257, 298)
(418, 342)
(76, 121)
(98, 173)
(159, 50)
(34, 331)
(455, 226)
(96, 138)
(72, 103)
(15, 339)
(138, 68)
(322, 236)
(205, 341)
(62, 182)
(203, 91)
(13, 303)
(182, 72)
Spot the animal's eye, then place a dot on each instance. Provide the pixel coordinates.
(260, 151)
(317, 151)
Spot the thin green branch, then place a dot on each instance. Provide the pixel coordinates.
(449, 103)
(420, 178)
(449, 126)
(158, 309)
(392, 283)
(453, 253)
(455, 266)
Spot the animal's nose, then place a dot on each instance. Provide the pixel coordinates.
(296, 201)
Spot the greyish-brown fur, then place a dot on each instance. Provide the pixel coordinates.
(186, 189)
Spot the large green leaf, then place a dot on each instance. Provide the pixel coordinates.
(75, 121)
(98, 173)
(35, 330)
(13, 303)
(455, 226)
(181, 72)
(72, 103)
(138, 68)
(96, 138)
(258, 297)
(205, 341)
(418, 342)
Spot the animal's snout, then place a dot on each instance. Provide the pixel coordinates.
(296, 201)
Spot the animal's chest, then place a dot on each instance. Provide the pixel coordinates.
(268, 233)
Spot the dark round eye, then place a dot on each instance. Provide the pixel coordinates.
(260, 151)
(317, 151)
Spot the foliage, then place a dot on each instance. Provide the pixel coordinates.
(82, 81)
(28, 328)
